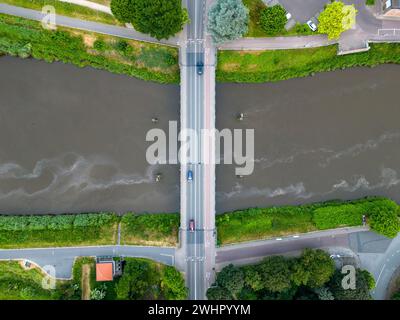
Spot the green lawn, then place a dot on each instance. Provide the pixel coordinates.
(261, 223)
(150, 229)
(255, 30)
(66, 9)
(275, 65)
(26, 38)
(16, 283)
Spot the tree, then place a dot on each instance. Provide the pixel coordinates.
(173, 284)
(218, 293)
(227, 20)
(122, 10)
(273, 19)
(336, 18)
(135, 281)
(324, 294)
(314, 268)
(253, 278)
(276, 274)
(159, 18)
(232, 279)
(361, 292)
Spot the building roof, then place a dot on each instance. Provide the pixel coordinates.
(104, 271)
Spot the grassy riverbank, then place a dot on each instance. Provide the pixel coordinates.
(261, 223)
(275, 65)
(88, 229)
(58, 230)
(26, 38)
(66, 9)
(150, 229)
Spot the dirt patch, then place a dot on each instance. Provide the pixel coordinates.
(89, 40)
(85, 282)
(230, 66)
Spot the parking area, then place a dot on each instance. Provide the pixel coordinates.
(303, 10)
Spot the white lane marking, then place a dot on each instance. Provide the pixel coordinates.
(380, 273)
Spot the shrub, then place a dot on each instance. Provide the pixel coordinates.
(100, 45)
(273, 19)
(337, 216)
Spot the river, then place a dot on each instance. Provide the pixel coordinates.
(73, 140)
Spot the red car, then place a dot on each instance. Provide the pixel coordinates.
(191, 225)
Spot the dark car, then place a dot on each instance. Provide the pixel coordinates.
(200, 68)
(191, 225)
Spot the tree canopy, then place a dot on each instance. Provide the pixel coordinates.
(227, 20)
(314, 269)
(273, 19)
(159, 18)
(336, 18)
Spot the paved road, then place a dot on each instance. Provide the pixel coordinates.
(62, 258)
(256, 250)
(388, 263)
(85, 25)
(192, 88)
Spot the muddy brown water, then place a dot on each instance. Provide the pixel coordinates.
(73, 140)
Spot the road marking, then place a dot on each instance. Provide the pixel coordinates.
(377, 281)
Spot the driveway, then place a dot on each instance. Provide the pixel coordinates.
(303, 10)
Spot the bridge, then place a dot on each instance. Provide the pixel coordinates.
(197, 62)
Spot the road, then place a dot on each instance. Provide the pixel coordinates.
(192, 118)
(108, 29)
(62, 259)
(197, 115)
(255, 250)
(387, 264)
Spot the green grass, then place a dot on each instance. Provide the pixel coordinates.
(66, 9)
(255, 30)
(150, 229)
(275, 65)
(370, 2)
(17, 283)
(57, 230)
(26, 38)
(261, 223)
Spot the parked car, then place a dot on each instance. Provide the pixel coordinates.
(200, 67)
(190, 175)
(288, 16)
(312, 25)
(191, 225)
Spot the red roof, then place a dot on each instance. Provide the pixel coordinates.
(104, 271)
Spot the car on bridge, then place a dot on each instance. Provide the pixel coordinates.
(200, 68)
(190, 175)
(191, 225)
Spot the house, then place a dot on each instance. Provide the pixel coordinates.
(390, 8)
(105, 267)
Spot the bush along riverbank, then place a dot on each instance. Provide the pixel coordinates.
(26, 38)
(276, 65)
(261, 223)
